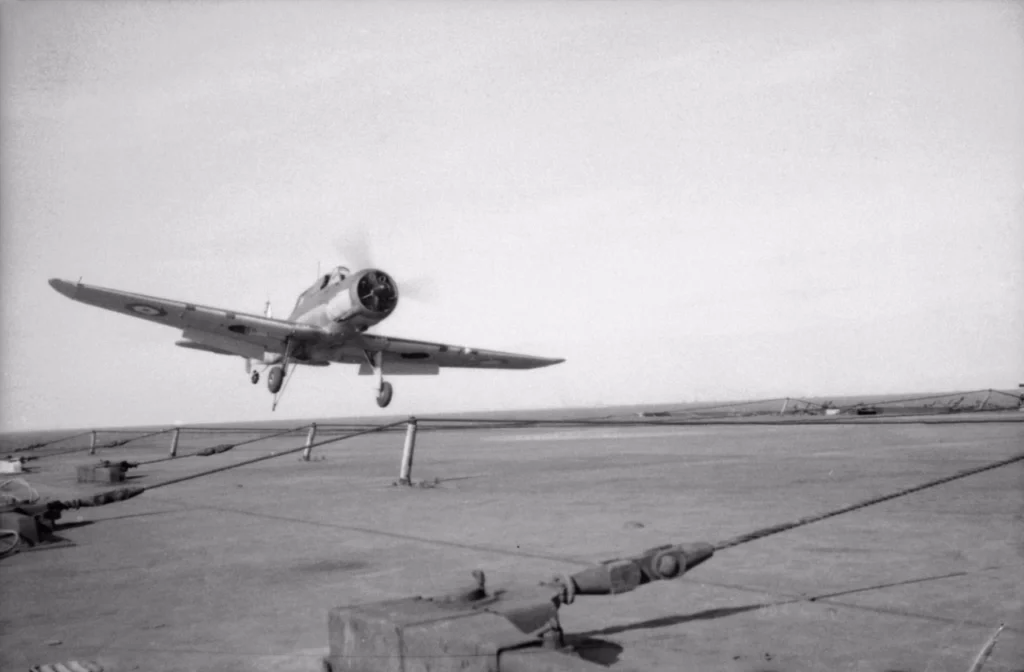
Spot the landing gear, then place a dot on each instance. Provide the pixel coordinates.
(254, 375)
(274, 380)
(385, 394)
(384, 390)
(279, 374)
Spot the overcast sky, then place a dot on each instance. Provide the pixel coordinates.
(687, 200)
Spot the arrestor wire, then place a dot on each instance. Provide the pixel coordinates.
(807, 520)
(105, 498)
(121, 494)
(120, 443)
(234, 445)
(261, 458)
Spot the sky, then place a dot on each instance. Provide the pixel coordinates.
(687, 200)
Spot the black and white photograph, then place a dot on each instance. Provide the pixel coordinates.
(512, 336)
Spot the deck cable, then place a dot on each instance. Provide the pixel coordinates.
(807, 520)
(233, 445)
(261, 458)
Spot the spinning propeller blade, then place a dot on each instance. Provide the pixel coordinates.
(356, 252)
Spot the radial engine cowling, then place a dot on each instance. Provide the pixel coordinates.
(371, 296)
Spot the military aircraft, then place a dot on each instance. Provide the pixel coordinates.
(328, 325)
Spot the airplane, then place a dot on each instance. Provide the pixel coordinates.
(328, 325)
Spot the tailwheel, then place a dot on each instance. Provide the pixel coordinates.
(255, 377)
(385, 394)
(275, 379)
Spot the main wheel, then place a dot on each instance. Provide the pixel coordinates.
(385, 394)
(255, 377)
(275, 379)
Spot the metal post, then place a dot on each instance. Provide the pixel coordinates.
(174, 442)
(410, 445)
(985, 401)
(310, 438)
(784, 404)
(986, 651)
(92, 442)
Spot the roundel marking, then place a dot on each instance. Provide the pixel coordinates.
(146, 309)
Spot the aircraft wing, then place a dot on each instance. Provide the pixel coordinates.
(406, 356)
(227, 331)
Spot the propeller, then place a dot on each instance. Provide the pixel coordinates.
(417, 288)
(377, 291)
(356, 252)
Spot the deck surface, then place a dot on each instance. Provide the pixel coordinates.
(237, 570)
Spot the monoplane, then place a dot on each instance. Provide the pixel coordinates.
(328, 325)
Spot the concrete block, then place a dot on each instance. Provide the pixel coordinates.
(423, 635)
(28, 528)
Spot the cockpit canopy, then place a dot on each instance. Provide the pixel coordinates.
(323, 282)
(334, 277)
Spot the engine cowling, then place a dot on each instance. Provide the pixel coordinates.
(371, 297)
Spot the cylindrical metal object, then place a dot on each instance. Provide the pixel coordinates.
(310, 438)
(174, 442)
(92, 442)
(404, 475)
